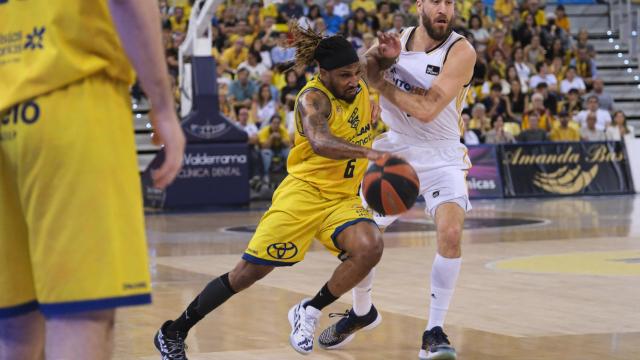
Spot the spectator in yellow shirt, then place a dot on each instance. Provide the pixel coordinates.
(242, 30)
(178, 20)
(545, 119)
(562, 20)
(533, 7)
(504, 7)
(233, 56)
(564, 132)
(369, 6)
(274, 141)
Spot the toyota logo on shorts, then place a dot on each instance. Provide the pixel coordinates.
(282, 251)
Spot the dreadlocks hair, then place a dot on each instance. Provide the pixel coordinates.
(305, 41)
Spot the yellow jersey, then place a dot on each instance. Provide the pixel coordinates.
(48, 44)
(348, 121)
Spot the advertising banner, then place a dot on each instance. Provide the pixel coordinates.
(211, 174)
(483, 179)
(576, 168)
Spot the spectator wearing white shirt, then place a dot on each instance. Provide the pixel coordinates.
(618, 128)
(572, 81)
(523, 68)
(470, 137)
(590, 132)
(340, 8)
(254, 65)
(543, 77)
(252, 133)
(264, 105)
(603, 118)
(250, 128)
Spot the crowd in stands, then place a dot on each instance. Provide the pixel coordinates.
(533, 81)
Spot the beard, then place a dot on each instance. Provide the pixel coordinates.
(436, 33)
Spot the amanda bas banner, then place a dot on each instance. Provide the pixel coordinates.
(576, 168)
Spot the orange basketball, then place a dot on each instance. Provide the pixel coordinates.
(390, 186)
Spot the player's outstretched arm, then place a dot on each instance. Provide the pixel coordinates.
(138, 25)
(381, 55)
(314, 109)
(456, 73)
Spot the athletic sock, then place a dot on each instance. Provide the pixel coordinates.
(444, 274)
(213, 295)
(323, 298)
(362, 295)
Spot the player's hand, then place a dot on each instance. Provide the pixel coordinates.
(375, 155)
(375, 110)
(169, 135)
(389, 45)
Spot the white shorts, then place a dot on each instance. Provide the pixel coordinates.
(441, 167)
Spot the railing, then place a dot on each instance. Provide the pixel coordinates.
(626, 20)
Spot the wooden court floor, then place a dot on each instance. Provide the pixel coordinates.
(542, 279)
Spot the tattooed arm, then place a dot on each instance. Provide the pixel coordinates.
(314, 109)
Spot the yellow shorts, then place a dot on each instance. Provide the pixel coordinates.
(71, 218)
(297, 215)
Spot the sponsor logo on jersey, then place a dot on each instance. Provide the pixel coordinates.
(16, 42)
(27, 113)
(433, 70)
(282, 251)
(35, 39)
(354, 119)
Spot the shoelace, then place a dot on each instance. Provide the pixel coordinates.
(176, 347)
(345, 328)
(344, 314)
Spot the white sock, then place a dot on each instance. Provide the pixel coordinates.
(362, 295)
(444, 275)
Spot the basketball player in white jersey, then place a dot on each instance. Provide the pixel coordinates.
(422, 77)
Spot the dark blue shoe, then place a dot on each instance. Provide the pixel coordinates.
(170, 349)
(342, 332)
(436, 346)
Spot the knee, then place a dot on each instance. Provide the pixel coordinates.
(369, 250)
(449, 238)
(246, 274)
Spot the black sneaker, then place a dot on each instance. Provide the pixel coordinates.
(436, 346)
(343, 331)
(170, 349)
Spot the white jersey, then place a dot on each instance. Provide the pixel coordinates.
(414, 72)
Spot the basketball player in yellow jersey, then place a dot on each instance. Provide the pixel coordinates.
(72, 243)
(318, 199)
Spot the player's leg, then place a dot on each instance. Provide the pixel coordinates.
(281, 239)
(362, 243)
(21, 324)
(350, 233)
(363, 314)
(447, 201)
(87, 242)
(86, 335)
(449, 221)
(22, 336)
(169, 340)
(266, 156)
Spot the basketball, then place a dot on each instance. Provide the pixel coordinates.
(390, 186)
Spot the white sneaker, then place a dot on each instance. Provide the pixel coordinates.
(303, 325)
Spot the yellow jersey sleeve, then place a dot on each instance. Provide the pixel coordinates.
(48, 44)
